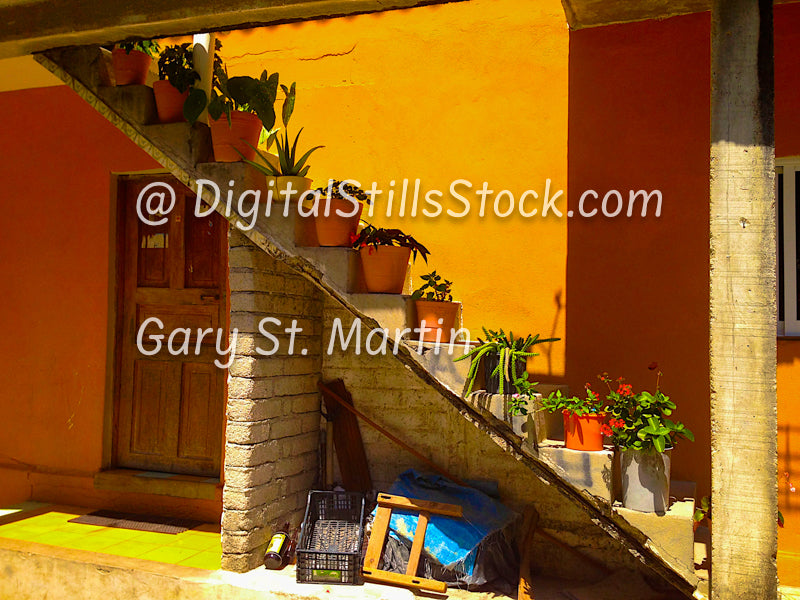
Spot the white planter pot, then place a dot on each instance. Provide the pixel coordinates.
(645, 480)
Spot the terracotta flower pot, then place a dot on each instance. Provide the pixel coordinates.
(583, 432)
(130, 68)
(243, 130)
(385, 268)
(169, 101)
(335, 230)
(431, 311)
(281, 183)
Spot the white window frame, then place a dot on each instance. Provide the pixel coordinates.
(790, 326)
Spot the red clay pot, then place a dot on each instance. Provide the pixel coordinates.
(431, 312)
(130, 69)
(583, 432)
(335, 230)
(385, 268)
(243, 130)
(169, 101)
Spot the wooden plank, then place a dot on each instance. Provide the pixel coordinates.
(411, 504)
(347, 437)
(417, 583)
(331, 394)
(380, 527)
(417, 545)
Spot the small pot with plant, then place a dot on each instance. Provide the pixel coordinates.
(176, 75)
(131, 61)
(645, 436)
(583, 419)
(288, 179)
(433, 303)
(504, 359)
(384, 257)
(338, 212)
(238, 109)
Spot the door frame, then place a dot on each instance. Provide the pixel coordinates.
(116, 275)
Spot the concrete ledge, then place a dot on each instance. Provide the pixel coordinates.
(34, 571)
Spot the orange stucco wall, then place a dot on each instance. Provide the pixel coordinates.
(475, 91)
(787, 143)
(54, 281)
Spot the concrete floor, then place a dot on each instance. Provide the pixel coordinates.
(44, 556)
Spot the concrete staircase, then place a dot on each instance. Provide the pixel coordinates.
(185, 152)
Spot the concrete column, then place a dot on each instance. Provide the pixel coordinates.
(743, 310)
(203, 58)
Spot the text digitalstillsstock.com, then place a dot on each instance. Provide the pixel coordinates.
(157, 199)
(184, 341)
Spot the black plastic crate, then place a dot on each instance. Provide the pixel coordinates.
(331, 537)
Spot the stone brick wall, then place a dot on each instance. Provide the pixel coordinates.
(389, 393)
(273, 418)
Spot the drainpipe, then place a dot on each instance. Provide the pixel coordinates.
(742, 302)
(203, 54)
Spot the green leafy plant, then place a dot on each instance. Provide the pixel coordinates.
(379, 236)
(510, 351)
(435, 289)
(640, 421)
(557, 402)
(703, 511)
(240, 93)
(149, 47)
(176, 65)
(337, 189)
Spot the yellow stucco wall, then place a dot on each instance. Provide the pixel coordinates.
(475, 91)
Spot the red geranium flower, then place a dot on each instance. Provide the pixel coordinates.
(606, 430)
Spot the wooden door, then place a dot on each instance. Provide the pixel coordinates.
(170, 408)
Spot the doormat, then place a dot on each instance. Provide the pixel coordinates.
(121, 520)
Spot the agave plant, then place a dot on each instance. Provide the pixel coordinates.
(288, 165)
(510, 350)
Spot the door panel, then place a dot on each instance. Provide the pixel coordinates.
(198, 438)
(170, 409)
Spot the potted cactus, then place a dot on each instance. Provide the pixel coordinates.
(433, 303)
(504, 359)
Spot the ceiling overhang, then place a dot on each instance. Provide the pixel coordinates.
(36, 25)
(594, 13)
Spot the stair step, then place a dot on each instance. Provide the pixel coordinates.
(340, 265)
(136, 102)
(193, 141)
(589, 471)
(390, 310)
(439, 359)
(672, 532)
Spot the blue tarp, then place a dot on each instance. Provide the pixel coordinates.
(453, 543)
